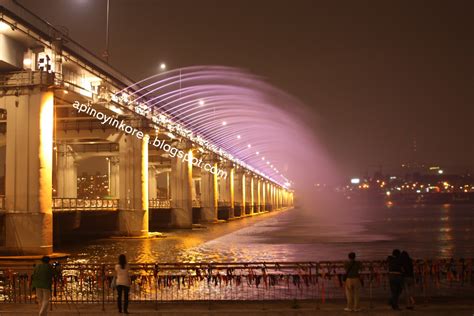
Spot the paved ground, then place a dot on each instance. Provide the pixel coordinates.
(436, 307)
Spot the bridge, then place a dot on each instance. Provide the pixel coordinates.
(43, 141)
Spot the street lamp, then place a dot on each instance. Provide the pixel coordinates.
(162, 66)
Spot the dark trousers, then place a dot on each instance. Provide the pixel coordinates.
(122, 289)
(396, 286)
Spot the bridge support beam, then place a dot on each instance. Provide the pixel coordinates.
(239, 193)
(277, 202)
(66, 173)
(152, 184)
(270, 196)
(258, 194)
(114, 181)
(133, 211)
(253, 195)
(181, 189)
(227, 185)
(209, 192)
(28, 183)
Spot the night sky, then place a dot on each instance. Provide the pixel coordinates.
(375, 74)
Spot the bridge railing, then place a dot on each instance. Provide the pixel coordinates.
(159, 203)
(74, 204)
(165, 282)
(197, 203)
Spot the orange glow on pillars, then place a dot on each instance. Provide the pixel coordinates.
(215, 187)
(46, 151)
(244, 193)
(252, 194)
(259, 194)
(231, 187)
(144, 184)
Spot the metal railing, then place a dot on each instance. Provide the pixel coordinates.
(159, 203)
(165, 282)
(73, 204)
(197, 203)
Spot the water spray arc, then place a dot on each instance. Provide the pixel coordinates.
(234, 111)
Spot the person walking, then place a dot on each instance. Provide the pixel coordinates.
(352, 283)
(122, 282)
(408, 278)
(395, 278)
(42, 280)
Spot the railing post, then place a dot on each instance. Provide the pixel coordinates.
(156, 286)
(103, 287)
(371, 275)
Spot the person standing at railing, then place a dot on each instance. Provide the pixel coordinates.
(395, 278)
(123, 283)
(42, 281)
(352, 283)
(408, 278)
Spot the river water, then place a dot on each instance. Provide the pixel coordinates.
(325, 233)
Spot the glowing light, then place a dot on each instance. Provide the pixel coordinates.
(258, 153)
(249, 145)
(263, 158)
(355, 180)
(224, 123)
(440, 171)
(388, 193)
(268, 162)
(27, 62)
(4, 26)
(238, 136)
(162, 66)
(201, 102)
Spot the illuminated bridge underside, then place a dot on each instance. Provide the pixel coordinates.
(43, 140)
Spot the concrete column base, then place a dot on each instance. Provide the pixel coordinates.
(28, 233)
(208, 214)
(133, 222)
(180, 218)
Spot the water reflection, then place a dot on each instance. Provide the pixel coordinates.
(302, 235)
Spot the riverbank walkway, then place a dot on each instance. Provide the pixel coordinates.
(441, 306)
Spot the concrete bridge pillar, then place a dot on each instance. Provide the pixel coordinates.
(253, 196)
(259, 195)
(181, 189)
(66, 173)
(209, 191)
(228, 188)
(277, 200)
(28, 178)
(281, 198)
(114, 181)
(133, 210)
(239, 192)
(270, 196)
(196, 188)
(152, 184)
